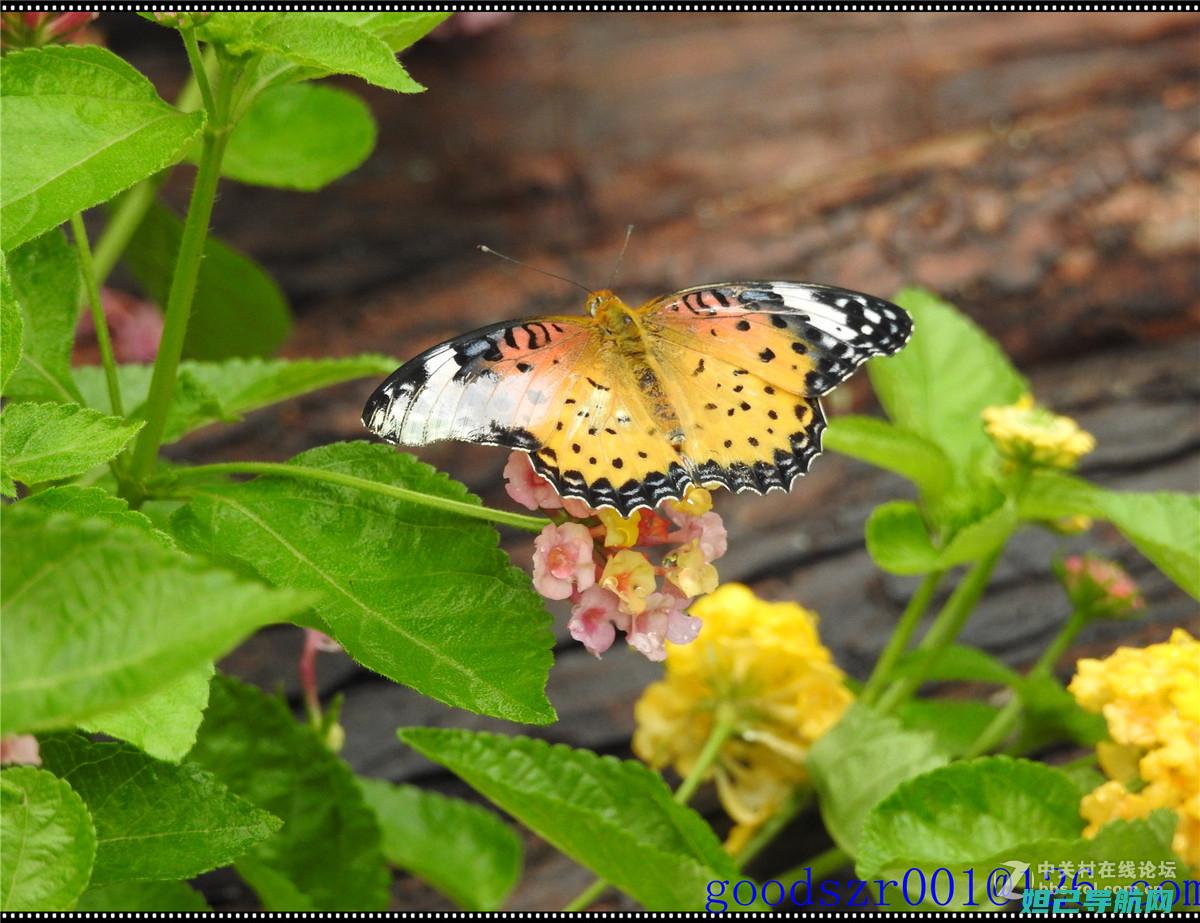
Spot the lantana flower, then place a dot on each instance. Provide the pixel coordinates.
(620, 531)
(762, 664)
(688, 568)
(609, 565)
(630, 575)
(595, 617)
(562, 560)
(1029, 434)
(1150, 699)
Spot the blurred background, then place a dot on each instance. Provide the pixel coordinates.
(1041, 171)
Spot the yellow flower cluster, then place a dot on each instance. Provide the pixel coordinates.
(762, 664)
(1025, 432)
(1150, 698)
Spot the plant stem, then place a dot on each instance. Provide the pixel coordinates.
(79, 232)
(1000, 726)
(724, 724)
(898, 643)
(944, 630)
(199, 71)
(586, 897)
(183, 281)
(822, 865)
(796, 802)
(302, 472)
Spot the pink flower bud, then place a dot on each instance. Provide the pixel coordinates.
(1099, 586)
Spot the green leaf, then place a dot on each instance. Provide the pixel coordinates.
(12, 328)
(960, 662)
(300, 136)
(328, 854)
(48, 442)
(313, 44)
(398, 30)
(1147, 839)
(424, 598)
(954, 723)
(45, 280)
(164, 724)
(154, 820)
(976, 540)
(238, 309)
(47, 842)
(851, 779)
(85, 627)
(898, 540)
(1163, 526)
(1051, 714)
(274, 889)
(614, 816)
(972, 814)
(109, 126)
(211, 392)
(96, 503)
(887, 446)
(1085, 777)
(460, 849)
(142, 897)
(939, 384)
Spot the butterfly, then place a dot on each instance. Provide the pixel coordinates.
(717, 385)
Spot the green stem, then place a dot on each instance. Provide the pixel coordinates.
(92, 289)
(898, 643)
(199, 71)
(1000, 726)
(944, 630)
(797, 801)
(822, 865)
(183, 287)
(459, 507)
(586, 897)
(724, 724)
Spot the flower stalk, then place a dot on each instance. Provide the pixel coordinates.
(167, 487)
(898, 642)
(92, 291)
(1000, 726)
(944, 630)
(187, 268)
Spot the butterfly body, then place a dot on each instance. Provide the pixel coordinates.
(625, 407)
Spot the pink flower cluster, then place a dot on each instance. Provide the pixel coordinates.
(590, 557)
(33, 29)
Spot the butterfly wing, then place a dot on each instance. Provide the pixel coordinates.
(726, 393)
(755, 357)
(548, 386)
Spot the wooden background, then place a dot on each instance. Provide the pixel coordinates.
(1040, 170)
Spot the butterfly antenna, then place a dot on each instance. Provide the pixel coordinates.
(620, 256)
(545, 272)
